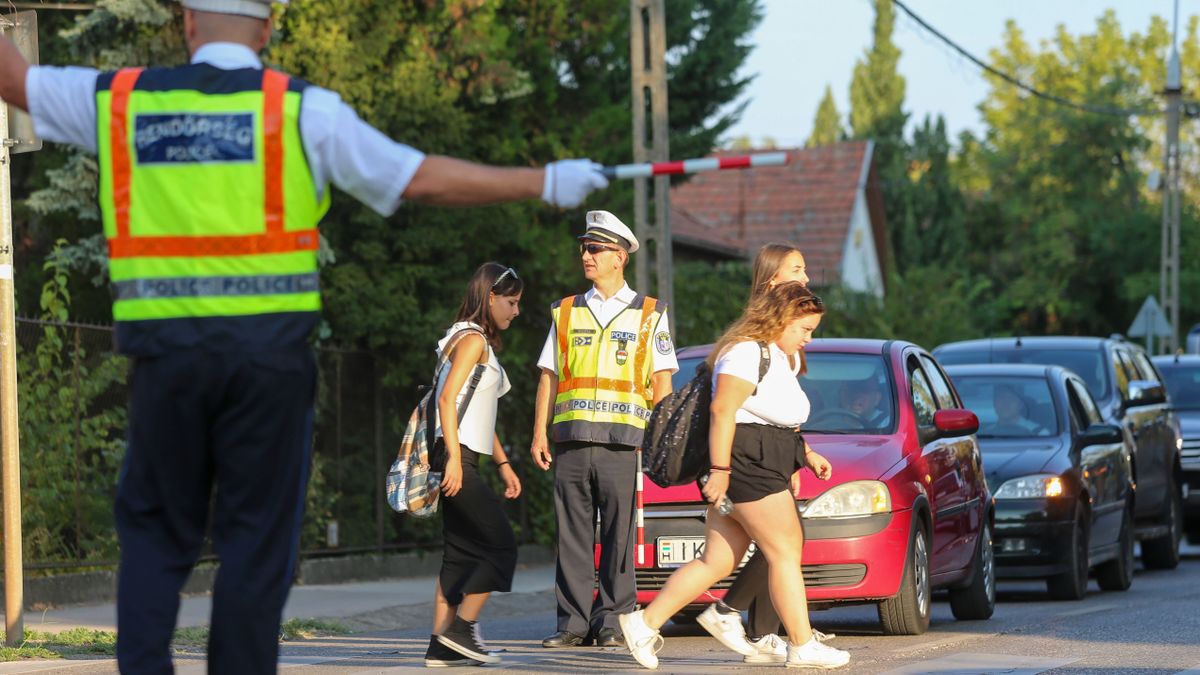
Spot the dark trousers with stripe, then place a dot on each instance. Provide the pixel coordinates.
(591, 478)
(750, 592)
(227, 434)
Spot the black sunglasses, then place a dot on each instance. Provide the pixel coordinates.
(595, 249)
(503, 274)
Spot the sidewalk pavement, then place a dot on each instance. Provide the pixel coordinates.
(332, 601)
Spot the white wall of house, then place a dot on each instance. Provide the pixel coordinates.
(860, 259)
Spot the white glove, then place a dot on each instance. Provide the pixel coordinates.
(569, 181)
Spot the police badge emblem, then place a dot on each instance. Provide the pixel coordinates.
(622, 357)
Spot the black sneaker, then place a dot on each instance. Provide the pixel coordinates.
(441, 656)
(463, 637)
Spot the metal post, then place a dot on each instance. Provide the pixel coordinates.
(648, 69)
(381, 468)
(14, 588)
(1169, 271)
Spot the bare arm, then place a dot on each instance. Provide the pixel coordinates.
(13, 69)
(445, 181)
(543, 410)
(463, 359)
(661, 382)
(731, 393)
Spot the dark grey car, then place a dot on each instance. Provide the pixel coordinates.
(1182, 376)
(1130, 392)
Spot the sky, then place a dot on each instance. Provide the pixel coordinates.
(803, 45)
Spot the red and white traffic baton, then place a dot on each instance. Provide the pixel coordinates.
(641, 512)
(699, 165)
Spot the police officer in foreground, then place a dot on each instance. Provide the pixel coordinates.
(213, 177)
(607, 360)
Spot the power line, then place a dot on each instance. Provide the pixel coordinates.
(1085, 107)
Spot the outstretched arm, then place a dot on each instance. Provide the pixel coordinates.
(13, 69)
(446, 181)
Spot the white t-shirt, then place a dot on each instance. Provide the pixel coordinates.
(477, 428)
(779, 400)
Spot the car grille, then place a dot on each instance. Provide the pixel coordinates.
(814, 576)
(1191, 452)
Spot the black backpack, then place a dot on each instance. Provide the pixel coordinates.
(675, 447)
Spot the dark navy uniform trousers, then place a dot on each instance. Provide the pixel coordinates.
(227, 434)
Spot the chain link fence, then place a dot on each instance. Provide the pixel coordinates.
(73, 395)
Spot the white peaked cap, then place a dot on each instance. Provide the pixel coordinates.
(259, 9)
(604, 227)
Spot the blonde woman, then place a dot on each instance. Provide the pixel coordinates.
(754, 448)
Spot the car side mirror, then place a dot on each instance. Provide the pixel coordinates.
(1101, 434)
(955, 422)
(1145, 392)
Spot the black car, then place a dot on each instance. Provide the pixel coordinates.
(1060, 476)
(1182, 376)
(1130, 393)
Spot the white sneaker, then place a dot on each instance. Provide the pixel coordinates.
(768, 649)
(642, 641)
(814, 654)
(728, 630)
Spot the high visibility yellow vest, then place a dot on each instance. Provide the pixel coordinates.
(605, 391)
(208, 201)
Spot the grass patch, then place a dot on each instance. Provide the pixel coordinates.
(304, 629)
(68, 643)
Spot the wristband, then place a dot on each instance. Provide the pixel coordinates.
(716, 467)
(500, 464)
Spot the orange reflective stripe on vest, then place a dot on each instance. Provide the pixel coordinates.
(564, 325)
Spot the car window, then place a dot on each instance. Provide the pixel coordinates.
(924, 404)
(1183, 385)
(1146, 370)
(941, 390)
(1122, 375)
(1009, 406)
(849, 393)
(1086, 362)
(1078, 415)
(1084, 398)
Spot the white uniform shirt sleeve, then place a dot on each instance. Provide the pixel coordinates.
(62, 103)
(664, 349)
(548, 359)
(353, 155)
(741, 360)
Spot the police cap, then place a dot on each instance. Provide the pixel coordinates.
(606, 228)
(259, 9)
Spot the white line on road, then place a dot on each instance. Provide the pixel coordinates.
(982, 664)
(1088, 610)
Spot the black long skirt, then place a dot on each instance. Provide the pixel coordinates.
(479, 552)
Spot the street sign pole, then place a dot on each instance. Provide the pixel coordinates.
(1169, 264)
(16, 135)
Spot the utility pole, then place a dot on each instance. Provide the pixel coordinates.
(648, 67)
(22, 28)
(1169, 271)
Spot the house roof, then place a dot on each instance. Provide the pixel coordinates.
(809, 202)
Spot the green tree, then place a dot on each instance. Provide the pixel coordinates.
(827, 126)
(877, 88)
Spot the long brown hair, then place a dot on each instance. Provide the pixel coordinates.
(767, 263)
(767, 315)
(490, 277)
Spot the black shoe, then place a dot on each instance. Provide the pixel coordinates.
(463, 637)
(609, 637)
(563, 638)
(441, 656)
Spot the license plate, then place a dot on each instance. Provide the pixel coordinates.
(678, 551)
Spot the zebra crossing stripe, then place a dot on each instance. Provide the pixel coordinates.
(973, 664)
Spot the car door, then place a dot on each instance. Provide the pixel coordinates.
(968, 469)
(1146, 423)
(941, 477)
(1103, 469)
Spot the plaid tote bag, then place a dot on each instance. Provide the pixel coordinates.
(412, 485)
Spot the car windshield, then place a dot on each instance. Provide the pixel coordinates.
(849, 393)
(1183, 384)
(1088, 363)
(1009, 407)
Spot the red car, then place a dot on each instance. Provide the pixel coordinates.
(906, 512)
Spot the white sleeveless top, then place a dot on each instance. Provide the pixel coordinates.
(478, 426)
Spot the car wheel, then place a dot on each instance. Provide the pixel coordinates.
(907, 613)
(1072, 584)
(978, 600)
(1117, 574)
(1163, 553)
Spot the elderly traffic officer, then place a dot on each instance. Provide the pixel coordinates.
(213, 177)
(607, 360)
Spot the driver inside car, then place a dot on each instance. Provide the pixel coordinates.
(1012, 414)
(862, 398)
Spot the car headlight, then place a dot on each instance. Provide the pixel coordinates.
(1031, 487)
(858, 498)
